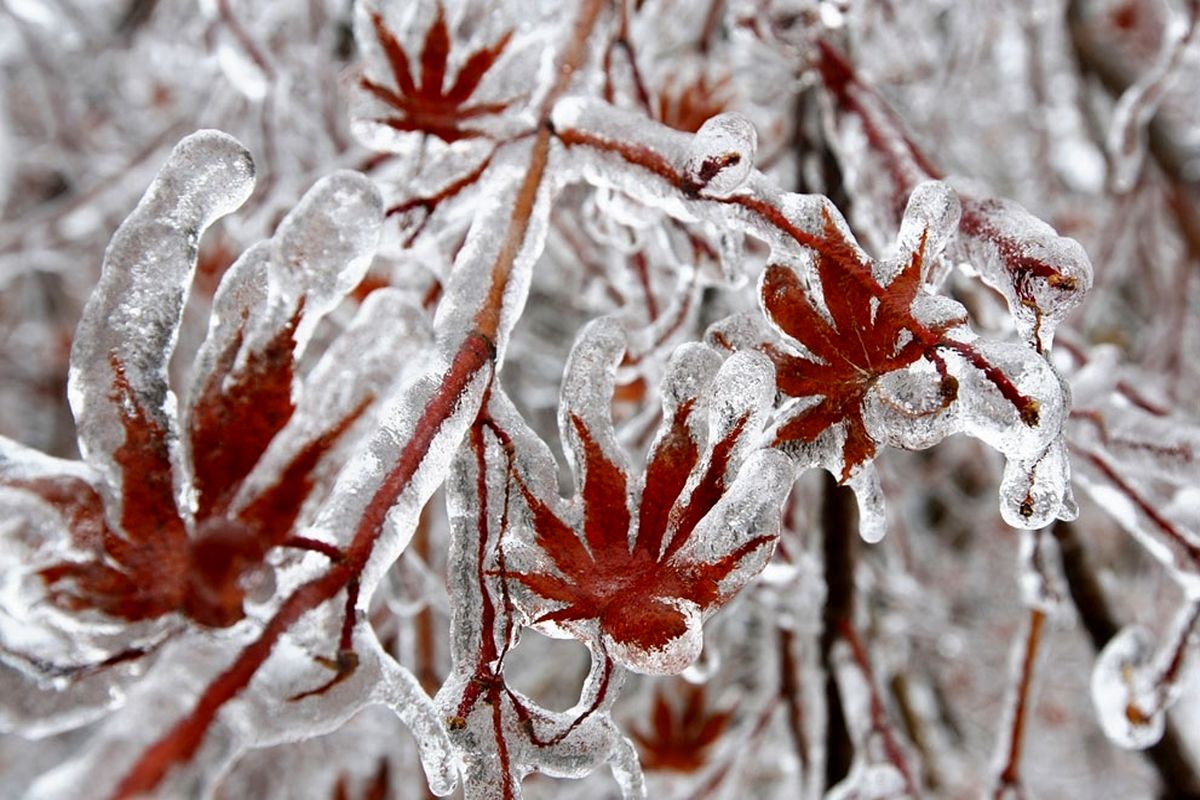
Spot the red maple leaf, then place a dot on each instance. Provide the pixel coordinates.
(150, 565)
(643, 590)
(870, 332)
(428, 106)
(679, 739)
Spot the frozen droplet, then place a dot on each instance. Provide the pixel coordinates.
(1036, 491)
(1123, 690)
(721, 156)
(872, 513)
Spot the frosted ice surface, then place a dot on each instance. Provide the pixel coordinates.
(324, 245)
(133, 314)
(721, 155)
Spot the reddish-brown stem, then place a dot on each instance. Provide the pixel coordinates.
(789, 690)
(330, 551)
(431, 202)
(655, 163)
(879, 720)
(475, 353)
(1180, 543)
(1010, 774)
(838, 526)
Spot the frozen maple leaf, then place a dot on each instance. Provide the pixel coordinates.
(868, 355)
(139, 552)
(424, 103)
(870, 331)
(679, 738)
(639, 562)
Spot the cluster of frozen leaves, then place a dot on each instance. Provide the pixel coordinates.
(705, 256)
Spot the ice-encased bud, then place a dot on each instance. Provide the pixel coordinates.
(1036, 491)
(998, 417)
(721, 155)
(1123, 691)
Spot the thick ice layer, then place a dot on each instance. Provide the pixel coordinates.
(1043, 276)
(324, 245)
(132, 317)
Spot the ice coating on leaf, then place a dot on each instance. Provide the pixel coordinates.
(1127, 132)
(1043, 276)
(1122, 681)
(931, 219)
(53, 513)
(498, 734)
(324, 245)
(377, 352)
(239, 303)
(588, 380)
(641, 570)
(721, 155)
(425, 87)
(690, 371)
(131, 320)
